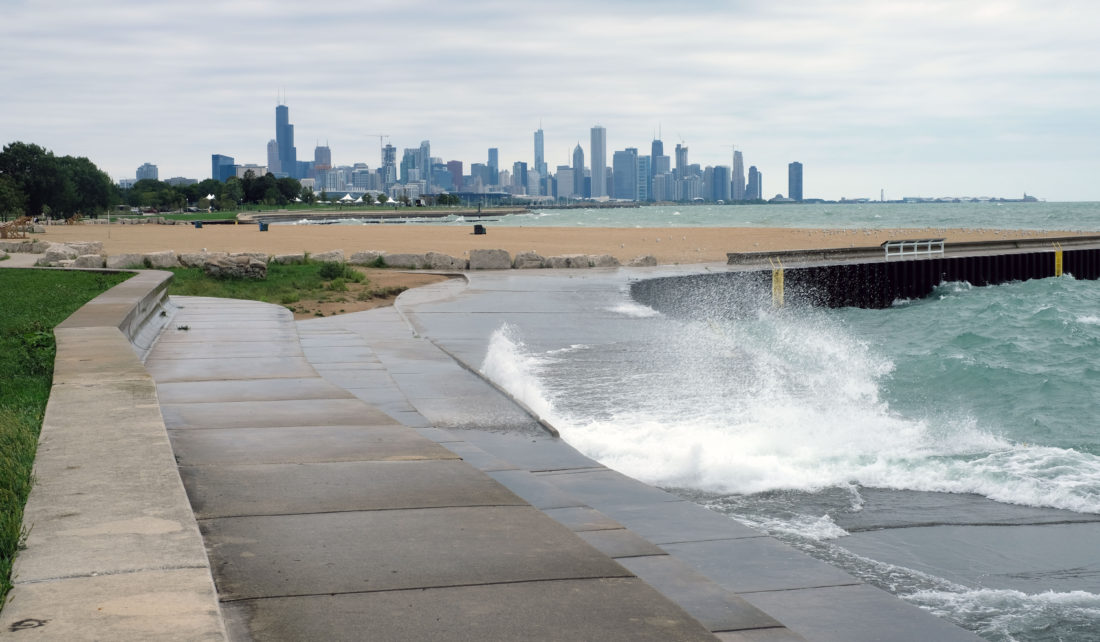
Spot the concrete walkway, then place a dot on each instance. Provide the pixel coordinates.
(326, 518)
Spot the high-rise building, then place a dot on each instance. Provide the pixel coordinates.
(624, 165)
(519, 177)
(737, 189)
(389, 165)
(681, 161)
(148, 170)
(794, 181)
(273, 156)
(494, 166)
(565, 182)
(578, 172)
(424, 164)
(656, 150)
(540, 164)
(409, 170)
(720, 184)
(455, 168)
(755, 189)
(598, 152)
(284, 138)
(322, 157)
(221, 167)
(643, 185)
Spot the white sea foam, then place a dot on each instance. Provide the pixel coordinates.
(782, 404)
(1014, 615)
(1088, 320)
(633, 309)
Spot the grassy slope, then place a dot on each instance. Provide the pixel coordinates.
(34, 301)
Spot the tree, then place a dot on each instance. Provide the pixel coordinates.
(324, 195)
(34, 170)
(12, 199)
(307, 195)
(368, 198)
(382, 198)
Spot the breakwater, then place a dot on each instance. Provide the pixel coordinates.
(864, 277)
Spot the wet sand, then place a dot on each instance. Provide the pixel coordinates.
(668, 245)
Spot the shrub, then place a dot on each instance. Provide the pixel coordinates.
(331, 270)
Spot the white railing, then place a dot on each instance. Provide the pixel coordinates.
(922, 247)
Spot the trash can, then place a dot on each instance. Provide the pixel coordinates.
(263, 226)
(198, 225)
(479, 229)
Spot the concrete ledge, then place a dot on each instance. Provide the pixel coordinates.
(114, 552)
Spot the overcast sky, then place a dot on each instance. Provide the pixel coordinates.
(960, 97)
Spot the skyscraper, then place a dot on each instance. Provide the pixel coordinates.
(322, 157)
(540, 164)
(737, 190)
(221, 167)
(519, 177)
(624, 165)
(284, 139)
(599, 161)
(656, 150)
(148, 170)
(755, 189)
(389, 165)
(794, 181)
(455, 168)
(424, 164)
(273, 157)
(494, 166)
(720, 184)
(578, 172)
(681, 161)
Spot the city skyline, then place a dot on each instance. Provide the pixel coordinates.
(987, 98)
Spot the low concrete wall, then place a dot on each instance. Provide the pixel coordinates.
(114, 552)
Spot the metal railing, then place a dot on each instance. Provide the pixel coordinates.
(921, 247)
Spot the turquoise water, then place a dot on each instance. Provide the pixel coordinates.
(1029, 216)
(945, 449)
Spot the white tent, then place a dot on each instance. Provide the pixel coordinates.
(359, 200)
(346, 199)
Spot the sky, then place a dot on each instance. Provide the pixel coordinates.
(936, 98)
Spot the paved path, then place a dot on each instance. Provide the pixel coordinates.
(326, 518)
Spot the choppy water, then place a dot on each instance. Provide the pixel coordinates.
(899, 444)
(1026, 216)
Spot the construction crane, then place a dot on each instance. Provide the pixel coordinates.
(380, 137)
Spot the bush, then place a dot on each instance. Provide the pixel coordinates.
(338, 285)
(332, 270)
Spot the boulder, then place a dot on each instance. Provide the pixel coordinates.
(165, 259)
(56, 253)
(89, 261)
(259, 256)
(603, 261)
(28, 247)
(647, 260)
(569, 261)
(365, 257)
(125, 261)
(332, 256)
(38, 229)
(437, 261)
(289, 259)
(490, 260)
(197, 259)
(235, 266)
(86, 247)
(407, 261)
(528, 260)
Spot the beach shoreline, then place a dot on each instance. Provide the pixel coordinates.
(687, 245)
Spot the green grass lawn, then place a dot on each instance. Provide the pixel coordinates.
(284, 285)
(34, 301)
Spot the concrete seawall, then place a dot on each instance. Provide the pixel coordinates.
(114, 552)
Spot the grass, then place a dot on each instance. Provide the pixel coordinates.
(284, 283)
(34, 302)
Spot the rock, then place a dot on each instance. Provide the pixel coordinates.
(332, 256)
(263, 256)
(66, 263)
(569, 261)
(196, 259)
(437, 261)
(407, 261)
(289, 259)
(89, 261)
(38, 229)
(528, 260)
(235, 266)
(647, 260)
(603, 261)
(27, 247)
(57, 252)
(119, 261)
(165, 259)
(365, 257)
(490, 260)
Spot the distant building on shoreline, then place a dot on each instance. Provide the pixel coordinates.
(794, 181)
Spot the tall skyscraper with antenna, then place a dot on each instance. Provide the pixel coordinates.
(737, 189)
(284, 140)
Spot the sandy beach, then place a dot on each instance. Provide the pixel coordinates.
(668, 245)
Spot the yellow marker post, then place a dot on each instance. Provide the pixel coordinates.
(1057, 259)
(777, 283)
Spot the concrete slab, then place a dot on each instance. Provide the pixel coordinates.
(177, 605)
(716, 608)
(394, 549)
(610, 609)
(249, 390)
(535, 490)
(582, 518)
(341, 354)
(538, 453)
(223, 349)
(605, 487)
(760, 635)
(855, 614)
(477, 457)
(216, 370)
(680, 521)
(302, 444)
(261, 414)
(758, 564)
(620, 543)
(299, 488)
(271, 333)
